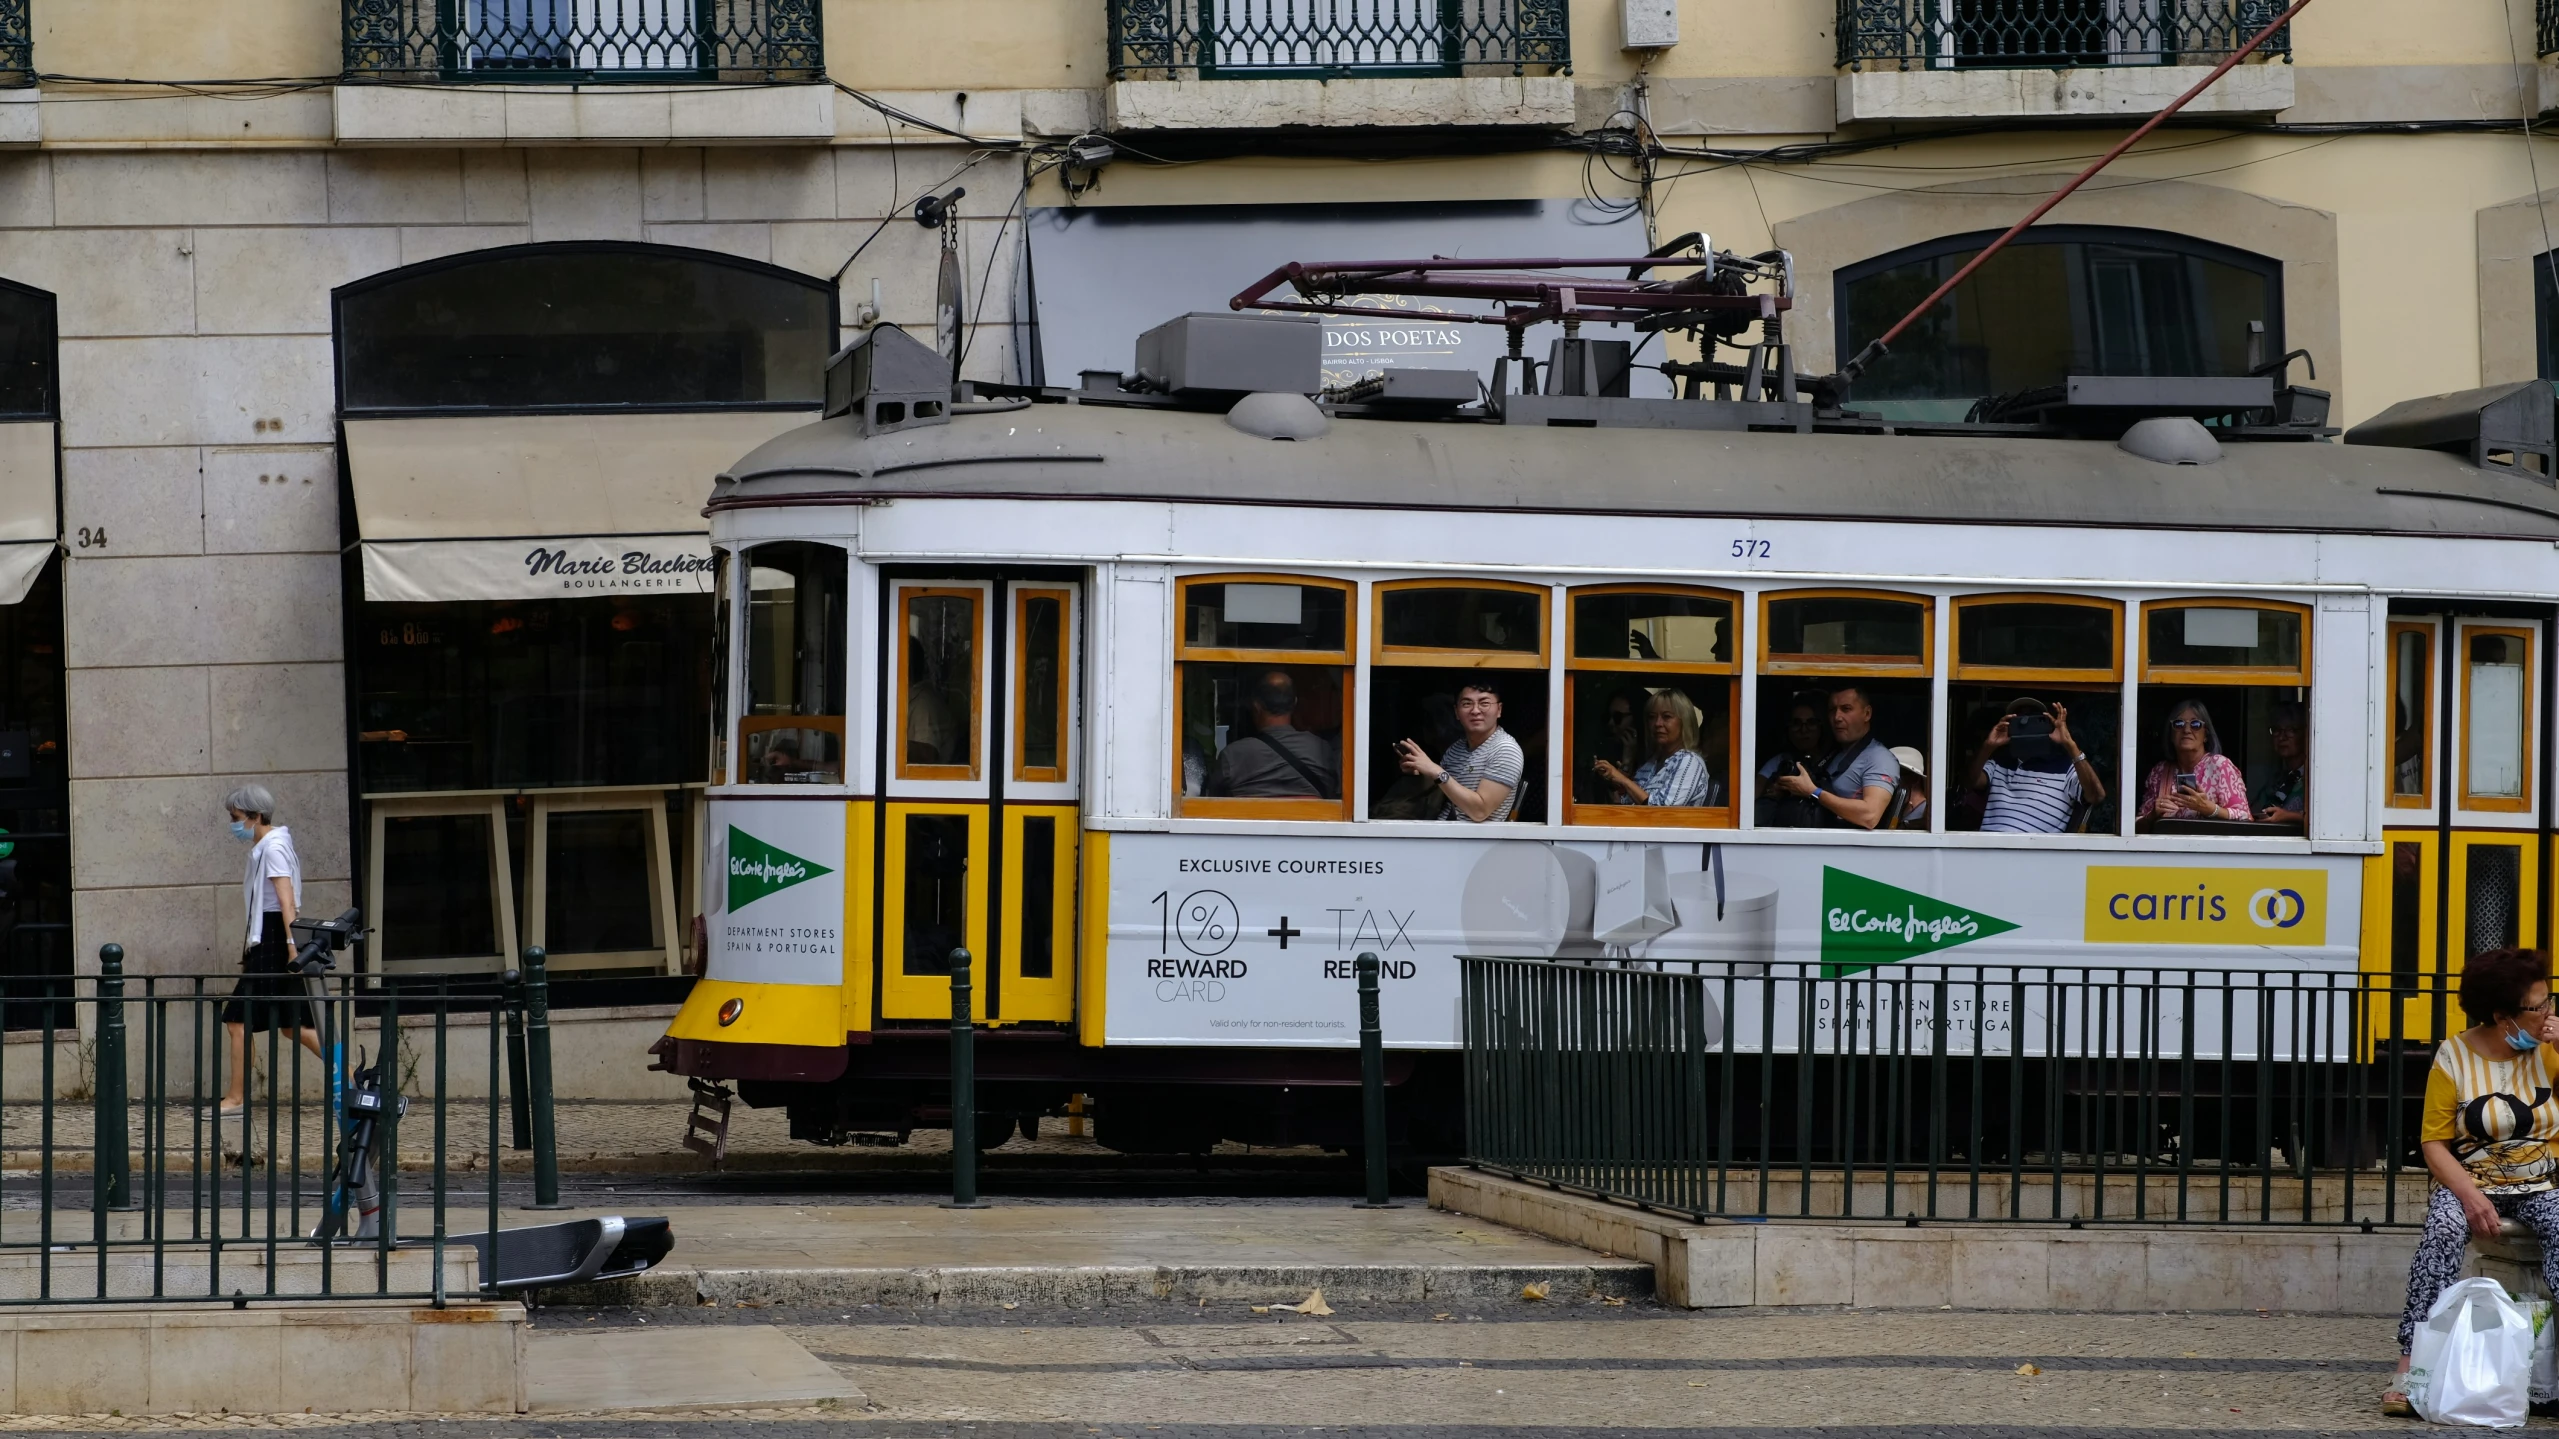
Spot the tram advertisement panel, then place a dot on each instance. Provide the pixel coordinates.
(773, 896)
(1218, 939)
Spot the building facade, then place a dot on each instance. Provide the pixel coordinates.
(366, 360)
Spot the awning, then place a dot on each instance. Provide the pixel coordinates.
(509, 507)
(27, 513)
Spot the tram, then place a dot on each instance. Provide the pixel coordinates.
(995, 665)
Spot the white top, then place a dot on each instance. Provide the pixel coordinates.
(1496, 761)
(270, 859)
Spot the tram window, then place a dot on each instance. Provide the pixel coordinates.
(1040, 678)
(1039, 896)
(2492, 898)
(2054, 663)
(1262, 683)
(1462, 619)
(1651, 673)
(2412, 703)
(938, 664)
(936, 908)
(721, 599)
(1820, 728)
(2223, 737)
(2496, 688)
(1825, 632)
(1435, 639)
(793, 728)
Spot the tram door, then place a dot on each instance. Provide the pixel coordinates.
(981, 831)
(2463, 847)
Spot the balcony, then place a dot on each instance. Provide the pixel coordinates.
(561, 42)
(1978, 59)
(1265, 64)
(17, 50)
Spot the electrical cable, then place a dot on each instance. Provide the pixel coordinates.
(986, 281)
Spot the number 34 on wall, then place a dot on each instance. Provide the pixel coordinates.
(90, 537)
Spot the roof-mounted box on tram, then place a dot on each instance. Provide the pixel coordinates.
(1091, 593)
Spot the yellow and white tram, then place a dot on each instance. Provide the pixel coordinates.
(981, 661)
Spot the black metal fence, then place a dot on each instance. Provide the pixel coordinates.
(558, 41)
(370, 1128)
(2013, 1093)
(1331, 39)
(2041, 34)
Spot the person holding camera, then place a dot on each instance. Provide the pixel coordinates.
(268, 995)
(2035, 772)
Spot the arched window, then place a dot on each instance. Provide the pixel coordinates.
(27, 387)
(583, 326)
(2063, 300)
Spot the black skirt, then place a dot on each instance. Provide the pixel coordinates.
(269, 995)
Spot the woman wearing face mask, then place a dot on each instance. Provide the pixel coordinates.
(2490, 1134)
(268, 995)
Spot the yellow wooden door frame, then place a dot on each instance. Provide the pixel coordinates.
(928, 996)
(2416, 1013)
(1052, 999)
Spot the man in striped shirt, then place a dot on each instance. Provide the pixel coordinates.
(2035, 772)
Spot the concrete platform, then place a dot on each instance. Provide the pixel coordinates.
(1962, 1265)
(1095, 1254)
(695, 1367)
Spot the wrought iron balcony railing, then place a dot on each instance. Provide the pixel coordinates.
(559, 41)
(1336, 39)
(17, 48)
(2547, 30)
(2054, 34)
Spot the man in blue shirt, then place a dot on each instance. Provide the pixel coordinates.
(1855, 785)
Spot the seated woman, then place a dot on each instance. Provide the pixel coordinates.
(2196, 780)
(2490, 1122)
(1673, 772)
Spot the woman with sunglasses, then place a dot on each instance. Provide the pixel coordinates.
(2196, 780)
(2490, 1133)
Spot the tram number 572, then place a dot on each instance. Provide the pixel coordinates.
(1750, 549)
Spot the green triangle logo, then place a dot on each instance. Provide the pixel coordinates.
(1866, 922)
(757, 869)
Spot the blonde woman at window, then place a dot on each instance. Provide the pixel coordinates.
(2196, 780)
(1674, 773)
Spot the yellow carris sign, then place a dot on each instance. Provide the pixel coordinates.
(2145, 904)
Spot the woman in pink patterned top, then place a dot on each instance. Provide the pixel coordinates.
(2196, 781)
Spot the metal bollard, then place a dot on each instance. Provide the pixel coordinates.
(963, 1087)
(537, 1063)
(519, 1082)
(114, 1138)
(1372, 1083)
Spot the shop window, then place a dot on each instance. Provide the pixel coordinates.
(2412, 714)
(941, 713)
(585, 326)
(2496, 718)
(1440, 646)
(2050, 669)
(2224, 737)
(27, 378)
(1652, 682)
(1841, 673)
(2064, 300)
(1262, 682)
(793, 729)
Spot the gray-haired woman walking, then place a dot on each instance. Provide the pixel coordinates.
(268, 995)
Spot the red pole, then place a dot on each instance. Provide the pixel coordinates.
(1878, 347)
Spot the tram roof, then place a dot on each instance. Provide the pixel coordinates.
(1106, 452)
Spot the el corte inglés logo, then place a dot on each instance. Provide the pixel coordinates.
(1866, 922)
(757, 869)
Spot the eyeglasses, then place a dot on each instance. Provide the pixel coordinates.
(2541, 1008)
(1479, 704)
(2186, 724)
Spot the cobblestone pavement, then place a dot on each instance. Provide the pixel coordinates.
(1513, 1370)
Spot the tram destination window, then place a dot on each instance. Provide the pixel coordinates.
(1262, 682)
(1844, 704)
(1652, 685)
(2223, 730)
(792, 731)
(2496, 717)
(1439, 646)
(941, 669)
(2035, 679)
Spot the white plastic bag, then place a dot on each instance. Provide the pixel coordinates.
(2472, 1359)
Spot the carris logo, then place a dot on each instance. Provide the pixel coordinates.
(2276, 908)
